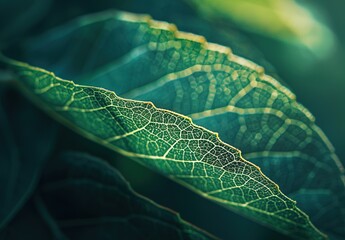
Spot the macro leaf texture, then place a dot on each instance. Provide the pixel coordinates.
(182, 72)
(72, 196)
(170, 144)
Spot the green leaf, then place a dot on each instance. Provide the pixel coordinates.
(162, 140)
(22, 153)
(168, 143)
(110, 206)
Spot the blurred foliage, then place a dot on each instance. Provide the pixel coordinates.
(21, 163)
(18, 17)
(285, 20)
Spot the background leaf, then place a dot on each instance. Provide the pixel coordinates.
(82, 197)
(116, 209)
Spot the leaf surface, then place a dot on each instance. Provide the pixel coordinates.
(162, 140)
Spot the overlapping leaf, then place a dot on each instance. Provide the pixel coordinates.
(83, 197)
(160, 139)
(117, 209)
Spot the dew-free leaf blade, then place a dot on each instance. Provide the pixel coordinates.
(168, 143)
